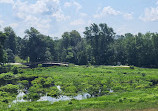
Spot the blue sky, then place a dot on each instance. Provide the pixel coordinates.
(54, 17)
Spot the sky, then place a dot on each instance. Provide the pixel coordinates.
(54, 17)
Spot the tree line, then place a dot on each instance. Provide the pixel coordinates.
(99, 46)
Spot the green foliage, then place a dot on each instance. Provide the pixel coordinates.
(24, 84)
(19, 60)
(10, 56)
(38, 47)
(9, 88)
(2, 52)
(131, 67)
(100, 37)
(131, 90)
(133, 87)
(100, 46)
(14, 70)
(39, 65)
(53, 92)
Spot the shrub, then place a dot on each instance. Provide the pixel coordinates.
(15, 70)
(143, 74)
(70, 102)
(131, 67)
(9, 88)
(19, 60)
(30, 109)
(39, 65)
(120, 100)
(71, 65)
(5, 100)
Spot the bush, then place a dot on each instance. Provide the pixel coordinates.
(143, 74)
(5, 69)
(131, 67)
(5, 100)
(33, 96)
(71, 65)
(120, 100)
(19, 60)
(39, 65)
(9, 88)
(7, 76)
(30, 109)
(15, 70)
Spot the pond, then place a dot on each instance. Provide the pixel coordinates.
(82, 96)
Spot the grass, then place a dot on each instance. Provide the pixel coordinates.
(137, 100)
(134, 89)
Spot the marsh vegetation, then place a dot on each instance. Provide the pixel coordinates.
(107, 88)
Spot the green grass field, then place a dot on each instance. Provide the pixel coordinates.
(133, 88)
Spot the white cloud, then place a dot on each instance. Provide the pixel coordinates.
(57, 1)
(7, 1)
(74, 4)
(122, 30)
(1, 21)
(83, 14)
(150, 14)
(128, 16)
(41, 8)
(39, 14)
(14, 25)
(77, 22)
(60, 16)
(106, 11)
(109, 11)
(32, 15)
(77, 5)
(67, 4)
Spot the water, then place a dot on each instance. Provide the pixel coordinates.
(82, 96)
(19, 97)
(52, 100)
(64, 98)
(111, 91)
(21, 100)
(59, 88)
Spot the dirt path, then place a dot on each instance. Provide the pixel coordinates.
(153, 109)
(120, 66)
(14, 63)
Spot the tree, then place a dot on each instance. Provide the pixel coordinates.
(10, 42)
(39, 46)
(10, 56)
(155, 48)
(2, 52)
(69, 46)
(33, 46)
(131, 49)
(120, 50)
(100, 38)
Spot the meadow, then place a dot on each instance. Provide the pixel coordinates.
(111, 88)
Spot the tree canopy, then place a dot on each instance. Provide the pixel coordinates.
(99, 46)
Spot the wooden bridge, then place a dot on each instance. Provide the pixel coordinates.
(46, 64)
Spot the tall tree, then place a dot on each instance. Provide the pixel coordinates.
(69, 46)
(2, 52)
(39, 46)
(10, 42)
(100, 38)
